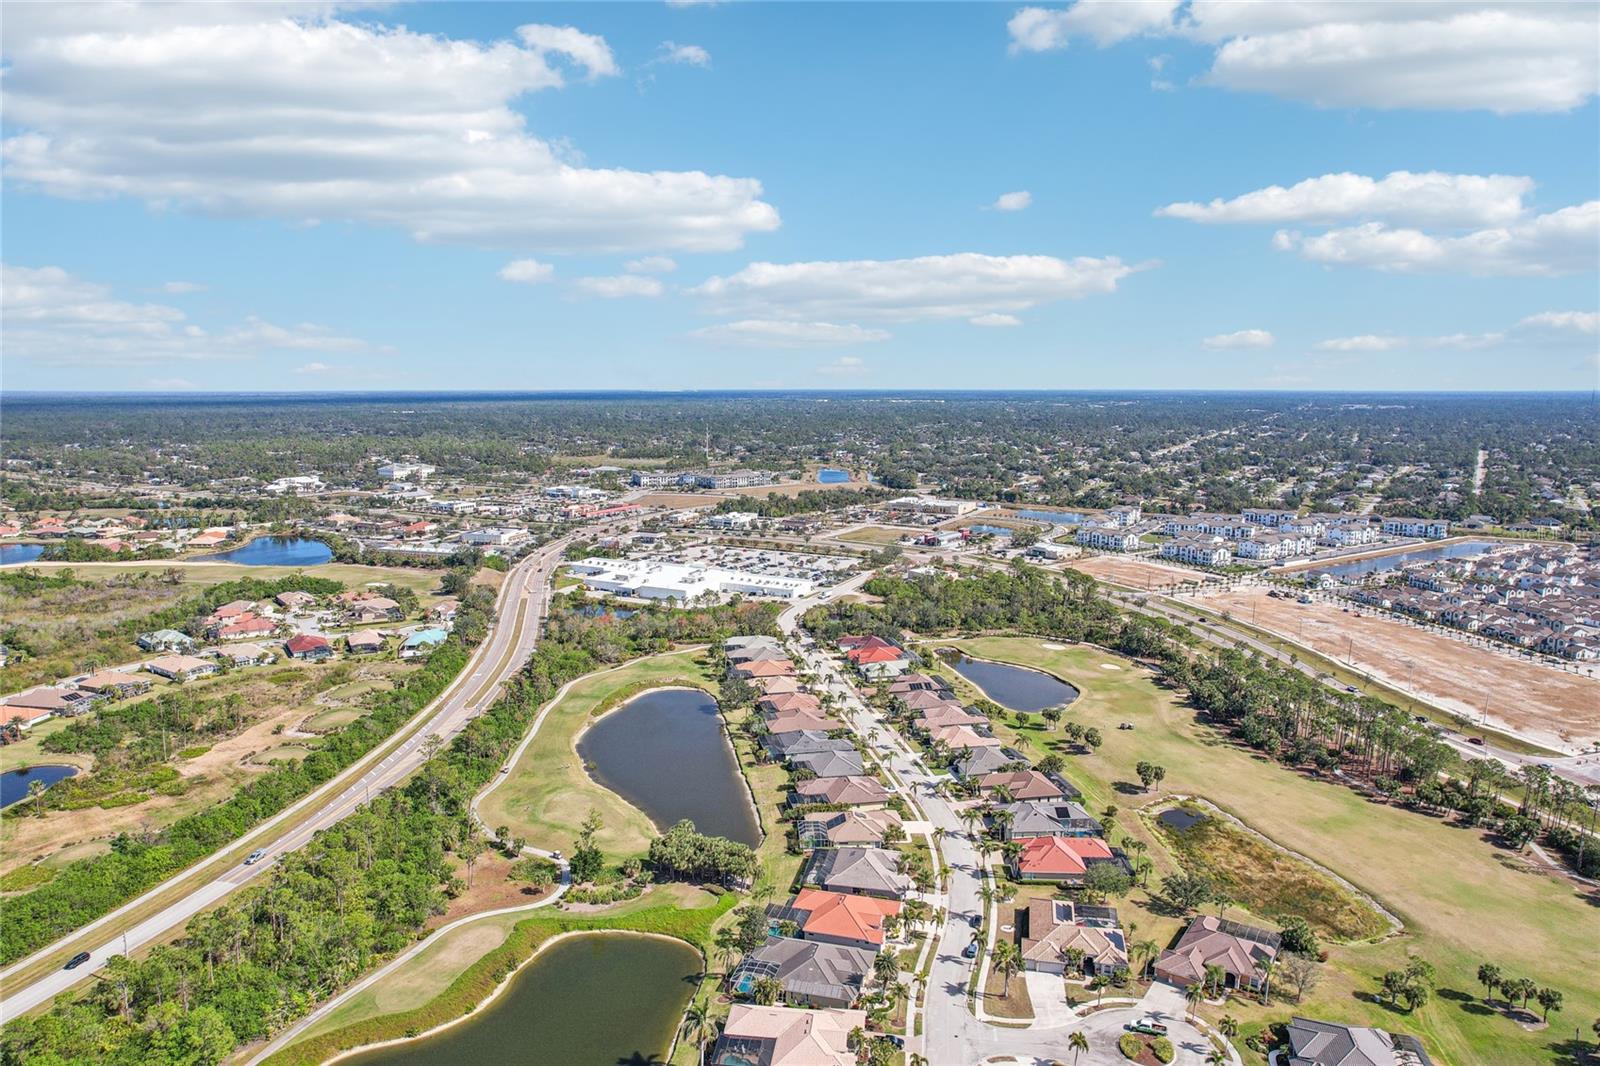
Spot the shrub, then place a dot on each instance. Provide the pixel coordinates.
(1129, 1045)
(1161, 1047)
(194, 752)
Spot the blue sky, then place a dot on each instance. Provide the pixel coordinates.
(257, 197)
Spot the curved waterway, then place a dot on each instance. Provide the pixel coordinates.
(596, 999)
(1016, 687)
(664, 752)
(276, 551)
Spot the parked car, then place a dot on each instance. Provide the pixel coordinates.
(970, 951)
(255, 856)
(975, 920)
(77, 960)
(1148, 1028)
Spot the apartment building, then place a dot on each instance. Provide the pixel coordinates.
(1211, 551)
(1275, 546)
(1111, 540)
(1426, 528)
(1267, 516)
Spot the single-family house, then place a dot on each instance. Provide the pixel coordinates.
(772, 686)
(1021, 785)
(244, 654)
(1064, 859)
(166, 640)
(762, 668)
(444, 611)
(308, 647)
(789, 701)
(749, 641)
(946, 715)
(846, 791)
(830, 763)
(115, 684)
(247, 627)
(802, 721)
(960, 737)
(756, 653)
(977, 763)
(811, 973)
(365, 641)
(786, 1036)
(842, 918)
(1319, 1043)
(1048, 818)
(180, 667)
(1241, 950)
(373, 609)
(844, 828)
(42, 703)
(1060, 931)
(786, 745)
(860, 871)
(295, 600)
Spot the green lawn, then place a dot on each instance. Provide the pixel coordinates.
(548, 794)
(1462, 900)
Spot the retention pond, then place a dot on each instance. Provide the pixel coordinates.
(665, 753)
(1016, 687)
(597, 999)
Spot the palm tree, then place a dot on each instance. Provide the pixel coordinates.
(1268, 968)
(1006, 960)
(886, 968)
(1229, 1026)
(1192, 997)
(1077, 1043)
(1489, 978)
(36, 793)
(1217, 1057)
(696, 1023)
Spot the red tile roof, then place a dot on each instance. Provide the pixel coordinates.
(1060, 856)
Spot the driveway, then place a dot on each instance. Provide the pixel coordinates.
(1049, 995)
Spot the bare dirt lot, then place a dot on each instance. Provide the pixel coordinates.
(1133, 571)
(677, 500)
(1541, 703)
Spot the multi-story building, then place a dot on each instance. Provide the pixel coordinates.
(931, 505)
(1274, 546)
(1111, 540)
(1211, 551)
(1350, 534)
(1125, 515)
(1426, 528)
(1267, 516)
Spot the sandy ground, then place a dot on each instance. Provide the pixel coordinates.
(678, 500)
(794, 488)
(1134, 571)
(1540, 703)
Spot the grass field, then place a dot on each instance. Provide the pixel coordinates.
(877, 535)
(1462, 900)
(548, 793)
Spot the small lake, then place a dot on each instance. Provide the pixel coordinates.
(993, 531)
(19, 553)
(1361, 567)
(1180, 819)
(593, 1000)
(1016, 687)
(830, 475)
(665, 753)
(14, 784)
(1060, 518)
(276, 551)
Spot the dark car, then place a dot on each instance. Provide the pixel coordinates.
(77, 960)
(1475, 740)
(975, 920)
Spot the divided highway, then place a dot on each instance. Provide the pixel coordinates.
(513, 634)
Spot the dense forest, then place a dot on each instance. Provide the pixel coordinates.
(1220, 451)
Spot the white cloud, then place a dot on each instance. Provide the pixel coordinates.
(170, 384)
(181, 288)
(993, 320)
(1158, 80)
(1020, 200)
(1430, 198)
(1037, 29)
(963, 285)
(527, 271)
(1562, 242)
(1465, 342)
(1367, 342)
(650, 264)
(619, 286)
(1494, 55)
(766, 333)
(844, 366)
(690, 54)
(313, 368)
(56, 318)
(285, 112)
(1581, 321)
(1244, 338)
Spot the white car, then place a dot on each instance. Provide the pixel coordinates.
(255, 856)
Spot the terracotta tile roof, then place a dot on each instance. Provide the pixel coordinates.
(844, 916)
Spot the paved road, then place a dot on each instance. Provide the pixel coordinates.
(522, 598)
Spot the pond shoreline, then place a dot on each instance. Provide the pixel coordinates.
(506, 982)
(724, 730)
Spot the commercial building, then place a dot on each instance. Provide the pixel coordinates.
(300, 485)
(732, 520)
(402, 470)
(649, 579)
(494, 536)
(931, 505)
